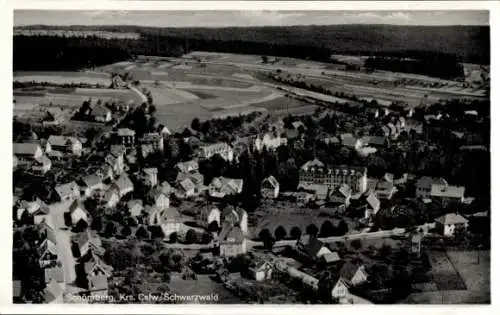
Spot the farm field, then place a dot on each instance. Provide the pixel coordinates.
(66, 77)
(462, 278)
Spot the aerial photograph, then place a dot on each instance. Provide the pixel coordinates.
(251, 157)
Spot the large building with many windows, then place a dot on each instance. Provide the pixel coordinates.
(316, 173)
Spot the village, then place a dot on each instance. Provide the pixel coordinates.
(260, 209)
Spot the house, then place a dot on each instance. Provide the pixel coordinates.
(209, 217)
(168, 219)
(163, 130)
(125, 136)
(89, 184)
(221, 148)
(232, 241)
(348, 140)
(101, 114)
(53, 116)
(424, 184)
(155, 140)
(385, 189)
(27, 151)
(41, 165)
(261, 271)
(159, 199)
(449, 223)
(315, 172)
(186, 189)
(236, 217)
(78, 213)
(111, 197)
(310, 247)
(68, 191)
(66, 144)
(330, 258)
(97, 285)
(269, 142)
(446, 194)
(55, 273)
(116, 159)
(40, 214)
(150, 176)
(135, 207)
(166, 188)
(353, 274)
(53, 293)
(372, 207)
(223, 186)
(123, 185)
(95, 267)
(342, 195)
(47, 250)
(340, 289)
(270, 188)
(187, 167)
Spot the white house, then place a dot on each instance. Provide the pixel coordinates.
(424, 184)
(270, 188)
(77, 212)
(223, 186)
(232, 241)
(124, 185)
(41, 165)
(89, 184)
(262, 271)
(208, 216)
(447, 194)
(269, 142)
(221, 148)
(150, 176)
(449, 223)
(112, 197)
(68, 191)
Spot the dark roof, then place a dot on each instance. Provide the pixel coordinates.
(348, 271)
(91, 180)
(231, 234)
(310, 245)
(76, 204)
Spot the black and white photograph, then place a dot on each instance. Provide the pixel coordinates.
(251, 157)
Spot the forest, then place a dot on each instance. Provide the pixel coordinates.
(463, 43)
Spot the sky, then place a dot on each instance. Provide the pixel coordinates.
(247, 18)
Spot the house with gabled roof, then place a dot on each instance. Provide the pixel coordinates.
(41, 214)
(68, 191)
(124, 185)
(111, 197)
(353, 274)
(41, 165)
(209, 216)
(157, 198)
(310, 247)
(341, 196)
(424, 184)
(125, 136)
(221, 187)
(447, 194)
(27, 150)
(232, 241)
(187, 167)
(330, 258)
(221, 148)
(47, 251)
(235, 216)
(186, 188)
(66, 144)
(451, 222)
(101, 114)
(169, 219)
(270, 188)
(90, 183)
(261, 270)
(94, 266)
(78, 213)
